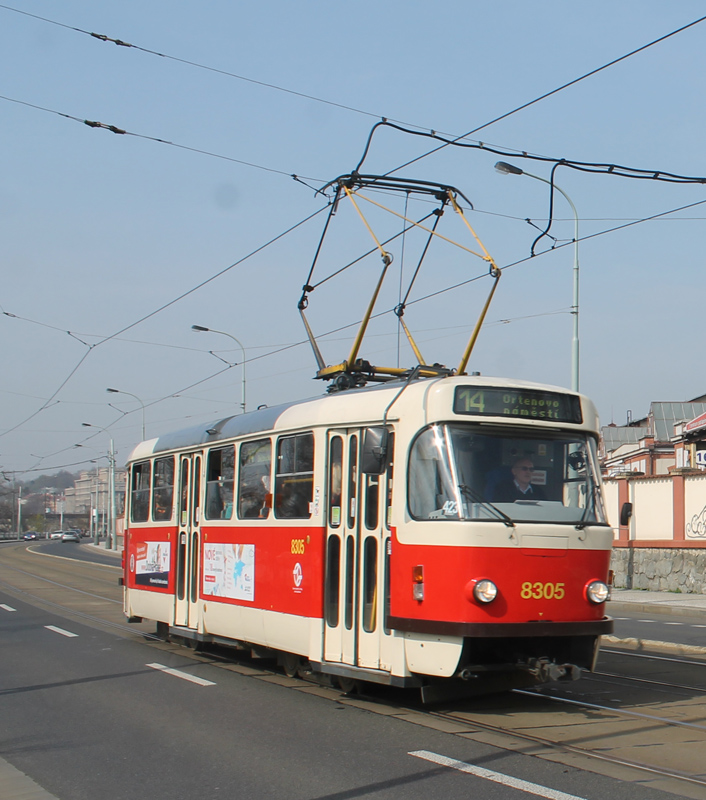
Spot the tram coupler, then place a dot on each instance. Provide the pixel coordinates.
(546, 671)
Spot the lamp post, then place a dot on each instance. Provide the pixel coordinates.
(19, 514)
(111, 491)
(230, 336)
(511, 169)
(120, 391)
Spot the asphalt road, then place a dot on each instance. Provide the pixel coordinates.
(686, 628)
(89, 713)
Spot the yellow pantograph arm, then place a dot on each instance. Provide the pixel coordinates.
(387, 260)
(365, 221)
(413, 344)
(459, 211)
(484, 255)
(495, 272)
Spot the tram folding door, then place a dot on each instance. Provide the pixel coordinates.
(188, 547)
(355, 557)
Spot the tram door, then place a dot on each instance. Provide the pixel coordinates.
(188, 542)
(354, 595)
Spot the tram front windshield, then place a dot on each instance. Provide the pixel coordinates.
(472, 472)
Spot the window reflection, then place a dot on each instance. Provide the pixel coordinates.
(457, 472)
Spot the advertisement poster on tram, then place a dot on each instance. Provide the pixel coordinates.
(229, 571)
(152, 564)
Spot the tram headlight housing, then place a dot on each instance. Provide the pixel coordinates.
(597, 592)
(483, 590)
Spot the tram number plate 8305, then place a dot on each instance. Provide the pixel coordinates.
(542, 591)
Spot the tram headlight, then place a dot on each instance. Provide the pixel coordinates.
(597, 592)
(482, 591)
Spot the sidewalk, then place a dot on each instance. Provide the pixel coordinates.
(655, 602)
(101, 548)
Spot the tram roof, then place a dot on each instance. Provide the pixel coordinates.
(338, 408)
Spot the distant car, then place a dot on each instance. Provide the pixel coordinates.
(30, 535)
(70, 536)
(56, 534)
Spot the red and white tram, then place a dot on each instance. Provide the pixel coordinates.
(373, 534)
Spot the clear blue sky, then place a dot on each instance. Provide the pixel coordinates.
(99, 230)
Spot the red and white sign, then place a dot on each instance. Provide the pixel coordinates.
(695, 424)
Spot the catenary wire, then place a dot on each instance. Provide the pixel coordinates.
(555, 91)
(119, 42)
(291, 346)
(157, 311)
(421, 130)
(297, 344)
(115, 129)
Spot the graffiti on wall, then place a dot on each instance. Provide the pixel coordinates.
(696, 529)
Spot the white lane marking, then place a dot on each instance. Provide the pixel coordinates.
(7, 608)
(179, 674)
(698, 626)
(645, 620)
(60, 630)
(673, 623)
(497, 777)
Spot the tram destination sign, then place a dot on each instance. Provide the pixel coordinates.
(495, 401)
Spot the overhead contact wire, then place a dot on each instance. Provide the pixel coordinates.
(555, 91)
(154, 313)
(120, 43)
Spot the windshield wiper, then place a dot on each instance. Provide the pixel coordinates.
(476, 498)
(590, 506)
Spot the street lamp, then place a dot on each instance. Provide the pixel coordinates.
(511, 169)
(230, 336)
(120, 391)
(111, 491)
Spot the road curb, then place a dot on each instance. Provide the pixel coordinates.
(15, 785)
(650, 645)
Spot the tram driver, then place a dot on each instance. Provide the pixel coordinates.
(518, 486)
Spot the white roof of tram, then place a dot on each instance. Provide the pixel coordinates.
(365, 405)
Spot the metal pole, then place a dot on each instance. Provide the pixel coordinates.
(237, 341)
(94, 519)
(19, 514)
(111, 489)
(130, 394)
(510, 169)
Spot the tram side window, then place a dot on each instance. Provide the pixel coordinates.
(335, 481)
(163, 489)
(140, 492)
(430, 493)
(372, 501)
(352, 480)
(254, 480)
(220, 475)
(388, 480)
(294, 481)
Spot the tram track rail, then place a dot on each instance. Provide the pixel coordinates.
(569, 749)
(578, 732)
(616, 678)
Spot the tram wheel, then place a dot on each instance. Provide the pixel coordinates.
(291, 664)
(348, 685)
